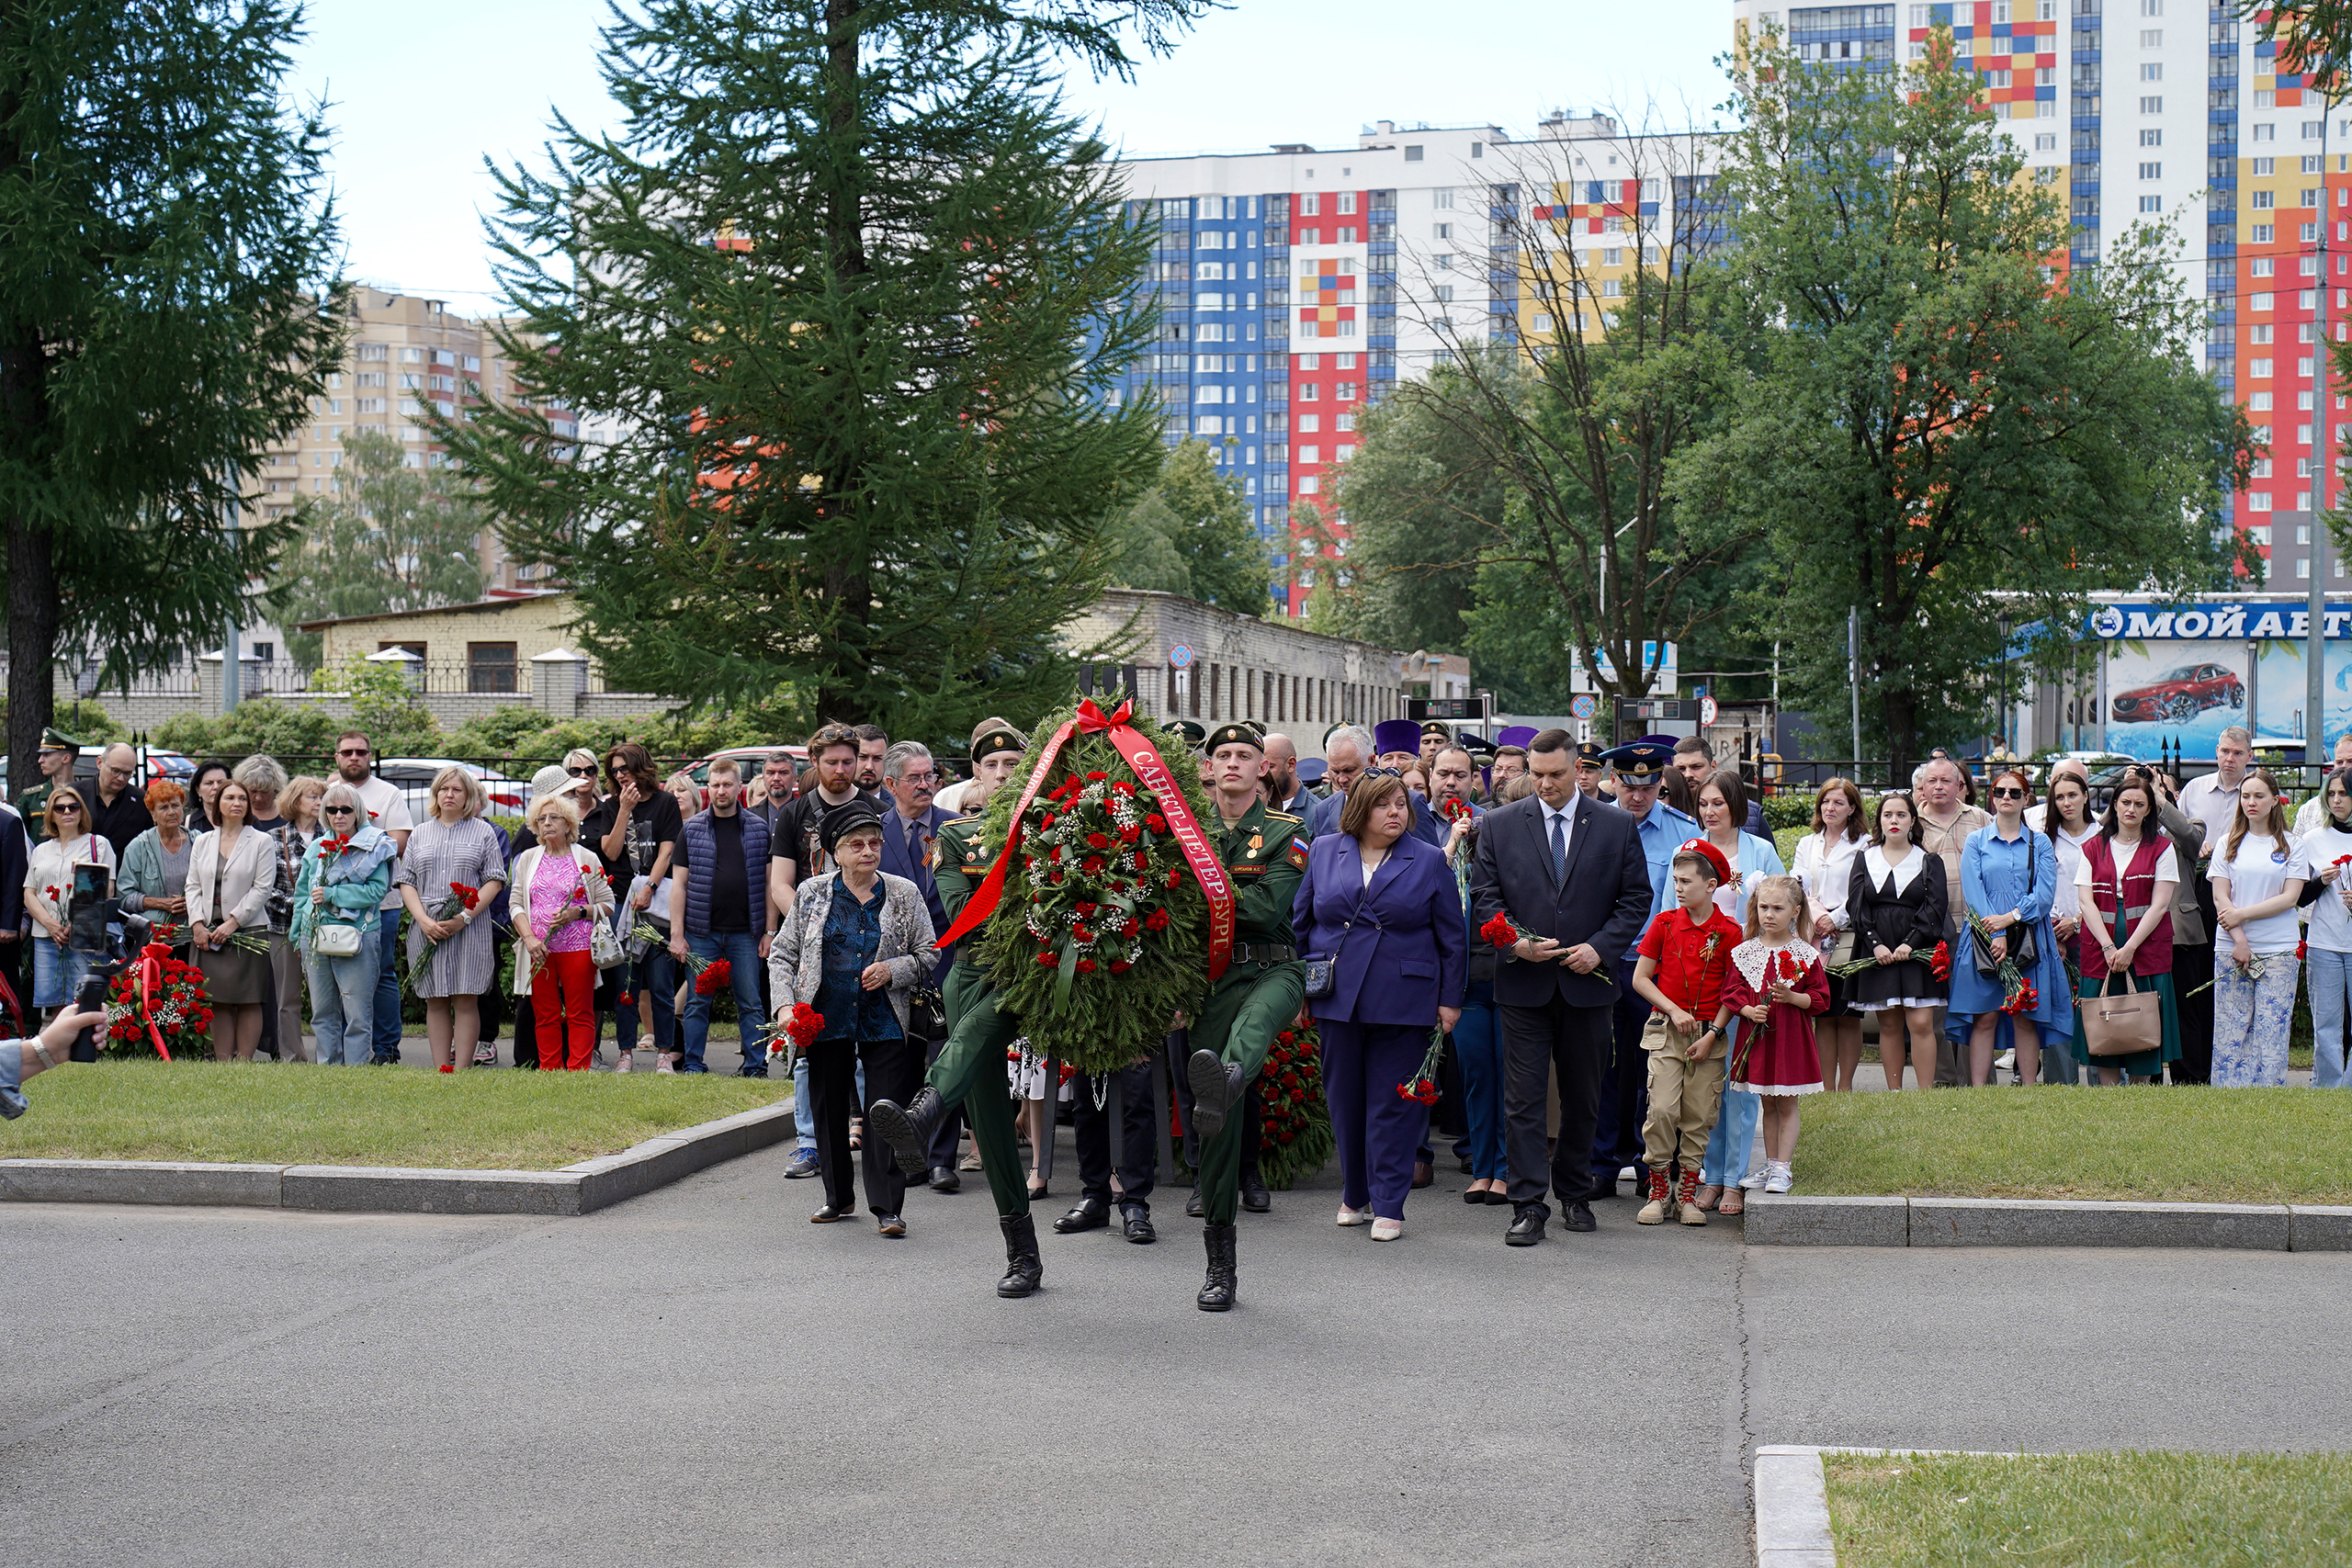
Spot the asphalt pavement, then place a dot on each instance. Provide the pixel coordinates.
(702, 1377)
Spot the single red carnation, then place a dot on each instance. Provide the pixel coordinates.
(1157, 921)
(1092, 865)
(1086, 966)
(1097, 841)
(1049, 958)
(1096, 778)
(1129, 835)
(1120, 967)
(1156, 822)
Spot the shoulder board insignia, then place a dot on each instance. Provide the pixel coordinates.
(1273, 816)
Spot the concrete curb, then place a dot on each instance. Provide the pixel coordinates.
(1792, 1503)
(341, 1189)
(1788, 1220)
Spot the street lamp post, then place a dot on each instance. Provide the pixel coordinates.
(2323, 463)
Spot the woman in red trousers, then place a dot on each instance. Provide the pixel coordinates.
(558, 888)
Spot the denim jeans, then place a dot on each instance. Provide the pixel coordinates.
(2329, 976)
(385, 1023)
(742, 951)
(343, 1007)
(652, 989)
(1733, 1142)
(1478, 1045)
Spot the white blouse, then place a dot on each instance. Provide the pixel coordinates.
(2066, 904)
(1825, 870)
(2331, 927)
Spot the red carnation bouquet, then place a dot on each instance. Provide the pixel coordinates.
(1503, 934)
(2018, 993)
(712, 976)
(457, 900)
(800, 1032)
(1940, 960)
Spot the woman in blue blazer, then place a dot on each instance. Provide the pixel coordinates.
(1382, 905)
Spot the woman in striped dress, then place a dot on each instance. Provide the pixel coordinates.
(450, 959)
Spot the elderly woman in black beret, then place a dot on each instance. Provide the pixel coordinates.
(856, 943)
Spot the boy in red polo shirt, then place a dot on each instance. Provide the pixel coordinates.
(1685, 955)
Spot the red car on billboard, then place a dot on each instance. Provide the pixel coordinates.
(2179, 696)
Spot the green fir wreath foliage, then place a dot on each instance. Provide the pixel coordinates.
(1102, 936)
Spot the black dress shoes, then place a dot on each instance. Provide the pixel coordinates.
(1254, 1196)
(1090, 1214)
(1138, 1223)
(890, 1225)
(944, 1180)
(1422, 1174)
(1193, 1205)
(1526, 1229)
(829, 1215)
(1578, 1217)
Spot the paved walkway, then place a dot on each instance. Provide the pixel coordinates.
(702, 1377)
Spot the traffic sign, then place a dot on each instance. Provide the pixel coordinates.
(1706, 710)
(1419, 709)
(1180, 657)
(1584, 705)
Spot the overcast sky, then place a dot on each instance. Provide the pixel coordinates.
(419, 94)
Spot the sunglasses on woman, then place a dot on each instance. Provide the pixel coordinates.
(2008, 792)
(339, 811)
(581, 772)
(67, 808)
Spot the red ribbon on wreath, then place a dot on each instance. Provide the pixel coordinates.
(1207, 869)
(151, 975)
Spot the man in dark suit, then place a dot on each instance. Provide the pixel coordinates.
(909, 830)
(1569, 872)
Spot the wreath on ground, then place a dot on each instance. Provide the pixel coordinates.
(176, 1005)
(1296, 1135)
(1101, 936)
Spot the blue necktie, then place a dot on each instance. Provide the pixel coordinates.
(1559, 849)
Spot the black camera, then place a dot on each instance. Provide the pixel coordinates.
(123, 942)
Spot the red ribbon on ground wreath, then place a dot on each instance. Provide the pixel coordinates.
(1207, 869)
(15, 1008)
(151, 973)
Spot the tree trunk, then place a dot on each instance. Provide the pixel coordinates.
(1901, 710)
(33, 647)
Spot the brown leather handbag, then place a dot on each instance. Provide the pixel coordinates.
(2122, 1024)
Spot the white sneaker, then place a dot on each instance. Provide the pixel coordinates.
(1354, 1216)
(1754, 1180)
(1388, 1230)
(1781, 1178)
(661, 1063)
(621, 1063)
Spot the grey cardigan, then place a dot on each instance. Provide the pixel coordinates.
(797, 959)
(2188, 835)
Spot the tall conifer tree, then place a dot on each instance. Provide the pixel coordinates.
(165, 312)
(843, 293)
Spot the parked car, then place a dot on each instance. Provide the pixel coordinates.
(413, 776)
(2179, 696)
(751, 759)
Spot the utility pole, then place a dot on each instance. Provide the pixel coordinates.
(231, 632)
(2315, 751)
(1854, 675)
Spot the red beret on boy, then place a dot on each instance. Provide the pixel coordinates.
(1712, 855)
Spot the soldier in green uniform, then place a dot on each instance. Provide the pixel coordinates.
(56, 756)
(1261, 992)
(970, 1068)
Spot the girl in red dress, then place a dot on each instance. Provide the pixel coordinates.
(1776, 985)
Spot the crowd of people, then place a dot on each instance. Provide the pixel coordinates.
(1625, 972)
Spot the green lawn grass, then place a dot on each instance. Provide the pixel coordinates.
(2091, 1510)
(2215, 1145)
(391, 1116)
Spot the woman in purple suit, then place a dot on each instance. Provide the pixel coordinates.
(1382, 905)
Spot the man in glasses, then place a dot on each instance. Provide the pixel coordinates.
(910, 834)
(1945, 821)
(354, 764)
(117, 812)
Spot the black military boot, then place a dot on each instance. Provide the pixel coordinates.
(908, 1129)
(1217, 1292)
(1023, 1267)
(1217, 1087)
